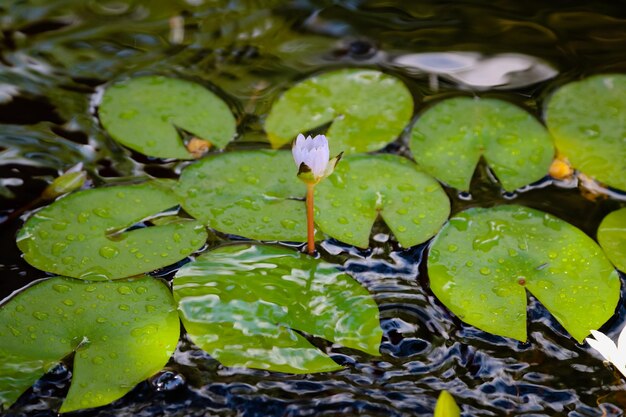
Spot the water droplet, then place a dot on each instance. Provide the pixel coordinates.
(453, 248)
(40, 315)
(68, 302)
(102, 212)
(83, 217)
(90, 288)
(59, 226)
(58, 248)
(67, 260)
(141, 290)
(342, 220)
(146, 330)
(61, 288)
(125, 290)
(485, 271)
(19, 308)
(108, 252)
(124, 307)
(97, 360)
(101, 320)
(288, 224)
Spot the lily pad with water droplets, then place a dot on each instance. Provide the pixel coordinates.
(122, 332)
(367, 110)
(448, 140)
(484, 259)
(588, 121)
(612, 238)
(246, 304)
(412, 203)
(145, 114)
(255, 194)
(96, 234)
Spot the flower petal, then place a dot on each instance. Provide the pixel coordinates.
(621, 343)
(604, 345)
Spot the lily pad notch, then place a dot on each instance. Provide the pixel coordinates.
(366, 109)
(484, 259)
(121, 332)
(146, 114)
(448, 140)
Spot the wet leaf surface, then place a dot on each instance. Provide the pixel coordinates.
(246, 306)
(449, 139)
(484, 259)
(367, 110)
(588, 122)
(255, 194)
(88, 234)
(612, 237)
(412, 203)
(122, 332)
(144, 114)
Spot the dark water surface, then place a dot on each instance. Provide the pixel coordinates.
(56, 55)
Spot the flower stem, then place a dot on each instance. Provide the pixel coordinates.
(310, 229)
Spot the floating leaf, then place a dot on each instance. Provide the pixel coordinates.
(412, 203)
(483, 260)
(84, 235)
(587, 121)
(367, 109)
(446, 406)
(255, 194)
(612, 238)
(243, 303)
(145, 114)
(448, 140)
(122, 332)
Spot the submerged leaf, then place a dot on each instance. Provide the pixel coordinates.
(446, 406)
(144, 114)
(84, 235)
(588, 122)
(483, 261)
(367, 109)
(255, 194)
(612, 238)
(449, 139)
(122, 332)
(412, 203)
(244, 303)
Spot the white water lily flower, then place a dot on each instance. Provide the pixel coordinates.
(615, 354)
(311, 156)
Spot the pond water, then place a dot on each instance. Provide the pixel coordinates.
(56, 55)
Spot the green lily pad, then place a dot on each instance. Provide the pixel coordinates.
(412, 203)
(484, 259)
(122, 332)
(250, 193)
(612, 238)
(588, 122)
(243, 303)
(367, 109)
(448, 140)
(83, 235)
(144, 114)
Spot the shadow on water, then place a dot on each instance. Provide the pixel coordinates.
(56, 55)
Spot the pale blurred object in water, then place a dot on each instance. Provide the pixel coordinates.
(474, 71)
